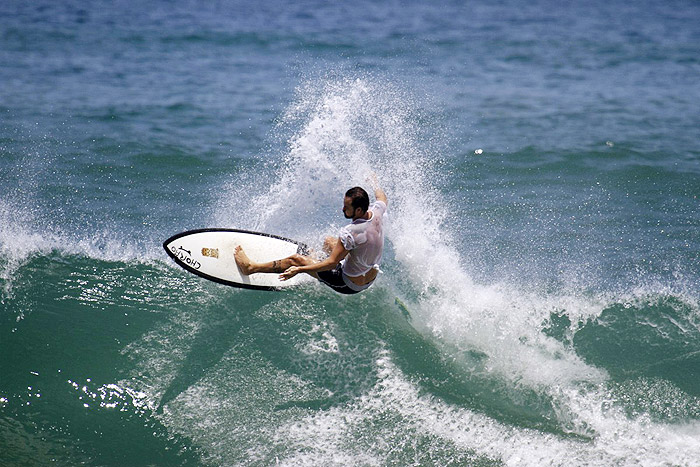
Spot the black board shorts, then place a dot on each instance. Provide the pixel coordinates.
(334, 279)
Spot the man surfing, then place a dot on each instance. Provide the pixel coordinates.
(353, 258)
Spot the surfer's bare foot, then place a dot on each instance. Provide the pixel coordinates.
(243, 262)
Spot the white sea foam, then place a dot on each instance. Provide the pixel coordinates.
(23, 236)
(395, 422)
(351, 127)
(31, 225)
(346, 128)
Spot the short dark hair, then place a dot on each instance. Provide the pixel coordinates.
(359, 197)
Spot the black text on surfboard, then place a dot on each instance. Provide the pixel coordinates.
(186, 259)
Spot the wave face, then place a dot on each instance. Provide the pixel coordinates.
(538, 302)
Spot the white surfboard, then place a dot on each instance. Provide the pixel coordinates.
(209, 253)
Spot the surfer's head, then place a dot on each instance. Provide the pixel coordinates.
(355, 198)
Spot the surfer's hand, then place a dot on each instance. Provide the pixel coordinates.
(373, 180)
(289, 273)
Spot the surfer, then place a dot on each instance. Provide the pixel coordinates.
(353, 258)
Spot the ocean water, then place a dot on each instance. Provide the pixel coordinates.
(540, 296)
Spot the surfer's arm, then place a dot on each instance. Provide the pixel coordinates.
(378, 192)
(339, 252)
(380, 195)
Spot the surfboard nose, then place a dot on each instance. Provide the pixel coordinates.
(209, 253)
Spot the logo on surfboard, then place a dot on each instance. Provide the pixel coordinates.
(185, 257)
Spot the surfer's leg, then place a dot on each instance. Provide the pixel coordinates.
(248, 267)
